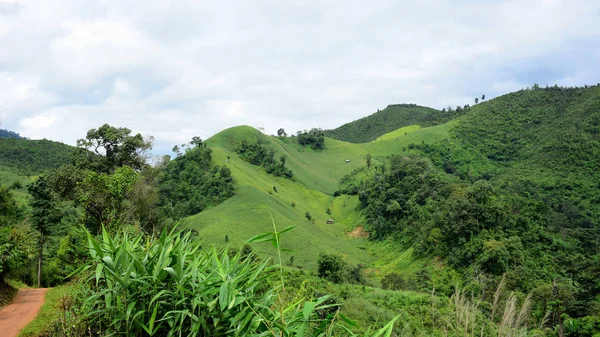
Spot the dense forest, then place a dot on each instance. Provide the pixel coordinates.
(387, 120)
(514, 193)
(30, 157)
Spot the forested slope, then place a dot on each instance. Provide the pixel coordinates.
(513, 190)
(387, 120)
(29, 157)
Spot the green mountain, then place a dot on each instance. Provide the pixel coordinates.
(29, 157)
(21, 160)
(391, 118)
(8, 134)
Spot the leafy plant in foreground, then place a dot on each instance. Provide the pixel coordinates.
(172, 286)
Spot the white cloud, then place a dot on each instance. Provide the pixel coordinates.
(177, 70)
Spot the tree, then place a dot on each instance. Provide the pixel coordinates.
(483, 97)
(281, 133)
(191, 182)
(108, 147)
(315, 138)
(368, 160)
(8, 207)
(105, 197)
(44, 213)
(476, 100)
(330, 267)
(392, 281)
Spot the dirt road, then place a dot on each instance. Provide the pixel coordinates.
(21, 311)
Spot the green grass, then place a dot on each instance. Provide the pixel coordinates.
(48, 313)
(8, 177)
(388, 120)
(317, 174)
(17, 284)
(399, 133)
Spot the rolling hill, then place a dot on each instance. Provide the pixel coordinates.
(29, 157)
(21, 160)
(390, 119)
(317, 175)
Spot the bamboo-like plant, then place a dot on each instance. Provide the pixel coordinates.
(172, 286)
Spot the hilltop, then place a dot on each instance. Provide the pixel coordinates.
(391, 118)
(9, 134)
(29, 157)
(21, 160)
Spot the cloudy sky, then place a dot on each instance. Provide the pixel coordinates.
(177, 69)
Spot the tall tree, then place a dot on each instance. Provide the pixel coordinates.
(108, 147)
(369, 157)
(476, 100)
(44, 214)
(483, 97)
(281, 133)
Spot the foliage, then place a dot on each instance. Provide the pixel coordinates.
(29, 157)
(104, 197)
(258, 154)
(170, 286)
(44, 213)
(9, 210)
(332, 268)
(107, 148)
(191, 182)
(387, 120)
(315, 138)
(504, 195)
(15, 247)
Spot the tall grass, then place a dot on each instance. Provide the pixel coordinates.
(470, 320)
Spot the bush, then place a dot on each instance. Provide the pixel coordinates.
(258, 154)
(315, 138)
(330, 267)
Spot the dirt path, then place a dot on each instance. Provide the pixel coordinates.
(21, 311)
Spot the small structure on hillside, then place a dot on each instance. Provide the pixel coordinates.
(330, 222)
(347, 160)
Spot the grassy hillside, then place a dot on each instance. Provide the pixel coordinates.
(322, 170)
(8, 178)
(28, 157)
(317, 175)
(387, 120)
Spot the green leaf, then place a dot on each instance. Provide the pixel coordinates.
(308, 309)
(261, 237)
(223, 295)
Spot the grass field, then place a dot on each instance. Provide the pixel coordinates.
(399, 133)
(317, 174)
(7, 178)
